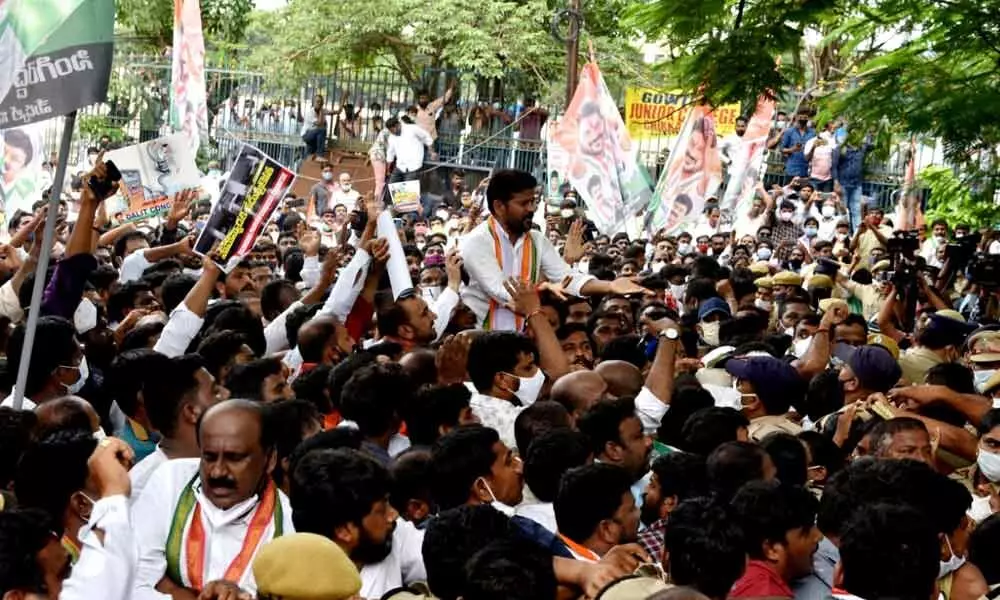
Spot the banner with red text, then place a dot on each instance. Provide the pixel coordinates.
(594, 153)
(651, 114)
(693, 173)
(255, 187)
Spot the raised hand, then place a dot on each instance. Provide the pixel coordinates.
(573, 250)
(524, 297)
(180, 206)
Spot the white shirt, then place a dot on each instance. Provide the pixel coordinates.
(486, 278)
(543, 513)
(728, 148)
(649, 410)
(497, 414)
(403, 566)
(153, 513)
(443, 307)
(407, 148)
(106, 569)
(26, 403)
(140, 473)
(182, 327)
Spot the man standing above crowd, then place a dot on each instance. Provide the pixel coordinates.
(504, 246)
(407, 146)
(793, 143)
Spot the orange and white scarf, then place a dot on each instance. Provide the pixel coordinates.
(499, 317)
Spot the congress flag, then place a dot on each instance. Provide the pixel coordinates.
(595, 154)
(692, 174)
(745, 168)
(188, 99)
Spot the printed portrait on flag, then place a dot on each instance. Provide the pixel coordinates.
(692, 174)
(744, 171)
(597, 156)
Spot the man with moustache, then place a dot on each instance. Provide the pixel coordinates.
(504, 246)
(200, 521)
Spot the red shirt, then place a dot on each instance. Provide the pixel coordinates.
(760, 580)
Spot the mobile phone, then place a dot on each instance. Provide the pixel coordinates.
(102, 187)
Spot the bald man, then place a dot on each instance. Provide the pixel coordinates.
(623, 378)
(579, 390)
(68, 412)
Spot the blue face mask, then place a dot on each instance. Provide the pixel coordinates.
(811, 232)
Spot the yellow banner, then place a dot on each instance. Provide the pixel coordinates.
(651, 114)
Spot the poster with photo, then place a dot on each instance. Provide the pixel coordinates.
(255, 187)
(405, 196)
(23, 176)
(152, 172)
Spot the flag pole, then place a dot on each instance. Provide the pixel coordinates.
(55, 194)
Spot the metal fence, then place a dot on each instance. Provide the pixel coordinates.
(479, 130)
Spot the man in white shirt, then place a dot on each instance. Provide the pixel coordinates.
(107, 559)
(203, 520)
(175, 400)
(407, 145)
(343, 495)
(730, 145)
(524, 254)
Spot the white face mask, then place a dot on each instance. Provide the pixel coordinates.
(529, 388)
(677, 291)
(684, 248)
(327, 176)
(763, 253)
(567, 213)
(786, 216)
(346, 187)
(940, 239)
(500, 506)
(84, 372)
(980, 509)
(829, 211)
(800, 347)
(981, 377)
(952, 564)
(763, 304)
(790, 331)
(710, 332)
(989, 465)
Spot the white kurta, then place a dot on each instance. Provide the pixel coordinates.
(105, 569)
(152, 515)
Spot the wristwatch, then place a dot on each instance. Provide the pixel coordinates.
(671, 333)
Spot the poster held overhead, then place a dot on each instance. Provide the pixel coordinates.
(255, 187)
(405, 196)
(152, 172)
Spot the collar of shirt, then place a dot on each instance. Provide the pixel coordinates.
(760, 580)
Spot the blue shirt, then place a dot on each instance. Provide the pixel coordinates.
(849, 164)
(795, 163)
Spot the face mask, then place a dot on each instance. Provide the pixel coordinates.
(86, 519)
(762, 304)
(790, 331)
(710, 333)
(980, 509)
(567, 213)
(795, 264)
(989, 465)
(684, 249)
(781, 124)
(811, 232)
(876, 221)
(507, 510)
(828, 212)
(940, 239)
(800, 347)
(764, 253)
(346, 187)
(677, 291)
(840, 236)
(981, 377)
(84, 372)
(327, 176)
(432, 292)
(434, 260)
(703, 248)
(952, 564)
(530, 387)
(786, 216)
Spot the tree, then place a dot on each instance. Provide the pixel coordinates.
(224, 21)
(491, 38)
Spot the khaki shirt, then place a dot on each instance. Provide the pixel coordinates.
(761, 427)
(916, 362)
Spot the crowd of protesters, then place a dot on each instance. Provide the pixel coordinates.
(796, 404)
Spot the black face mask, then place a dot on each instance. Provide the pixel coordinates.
(803, 122)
